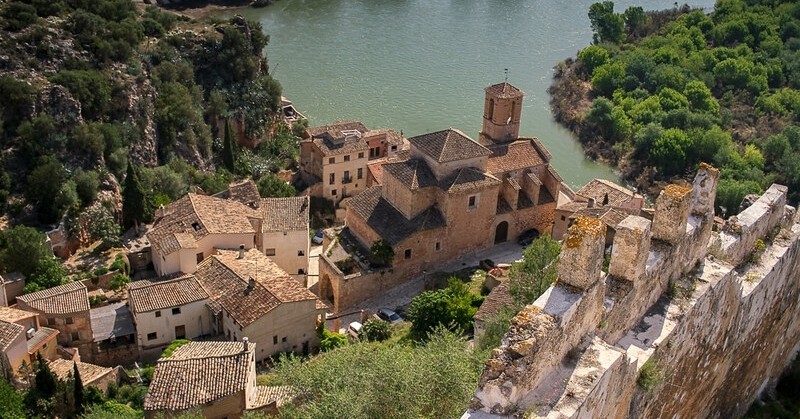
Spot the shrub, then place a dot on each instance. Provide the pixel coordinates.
(381, 254)
(375, 330)
(119, 281)
(650, 376)
(177, 343)
(100, 271)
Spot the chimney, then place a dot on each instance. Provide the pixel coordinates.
(246, 342)
(241, 251)
(590, 204)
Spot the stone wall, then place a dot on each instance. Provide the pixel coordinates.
(685, 324)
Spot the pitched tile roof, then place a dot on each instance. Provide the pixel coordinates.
(63, 299)
(448, 145)
(9, 332)
(226, 279)
(520, 154)
(414, 173)
(332, 139)
(504, 90)
(40, 337)
(285, 214)
(145, 296)
(199, 373)
(245, 192)
(467, 179)
(278, 394)
(111, 321)
(193, 217)
(12, 315)
(499, 297)
(598, 188)
(62, 368)
(390, 223)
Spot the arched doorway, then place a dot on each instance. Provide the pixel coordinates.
(501, 232)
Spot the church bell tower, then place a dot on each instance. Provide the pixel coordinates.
(501, 114)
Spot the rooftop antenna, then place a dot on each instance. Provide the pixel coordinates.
(506, 71)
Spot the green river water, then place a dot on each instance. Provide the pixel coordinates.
(421, 65)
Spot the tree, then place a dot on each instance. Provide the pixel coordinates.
(375, 330)
(608, 77)
(228, 156)
(45, 382)
(634, 18)
(86, 185)
(592, 57)
(538, 270)
(135, 206)
(48, 274)
(670, 151)
(607, 25)
(44, 184)
(270, 185)
(451, 307)
(77, 389)
(381, 254)
(91, 87)
(11, 400)
(331, 340)
(103, 227)
(21, 249)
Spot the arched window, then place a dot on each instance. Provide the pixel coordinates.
(491, 108)
(513, 109)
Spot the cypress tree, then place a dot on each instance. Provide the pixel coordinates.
(227, 151)
(78, 389)
(134, 199)
(45, 380)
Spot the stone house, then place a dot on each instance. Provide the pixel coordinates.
(219, 378)
(165, 310)
(91, 375)
(66, 309)
(334, 158)
(11, 285)
(252, 296)
(191, 228)
(21, 337)
(601, 199)
(450, 196)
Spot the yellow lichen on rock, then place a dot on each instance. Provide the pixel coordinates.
(582, 227)
(676, 191)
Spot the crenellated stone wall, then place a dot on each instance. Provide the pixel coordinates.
(686, 323)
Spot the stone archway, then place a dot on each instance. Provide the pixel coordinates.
(501, 232)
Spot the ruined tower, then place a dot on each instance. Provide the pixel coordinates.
(501, 114)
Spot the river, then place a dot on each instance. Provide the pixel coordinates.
(421, 65)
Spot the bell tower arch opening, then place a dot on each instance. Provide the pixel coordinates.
(501, 116)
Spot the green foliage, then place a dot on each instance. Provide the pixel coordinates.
(592, 57)
(331, 340)
(111, 409)
(78, 396)
(91, 87)
(375, 330)
(228, 152)
(384, 380)
(86, 185)
(119, 265)
(271, 185)
(119, 281)
(538, 270)
(452, 308)
(48, 273)
(783, 402)
(44, 186)
(177, 343)
(103, 227)
(650, 375)
(135, 207)
(607, 25)
(11, 400)
(18, 16)
(17, 101)
(381, 254)
(495, 328)
(21, 249)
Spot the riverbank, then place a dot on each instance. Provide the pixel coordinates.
(202, 9)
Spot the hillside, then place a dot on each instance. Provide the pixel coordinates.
(658, 93)
(91, 87)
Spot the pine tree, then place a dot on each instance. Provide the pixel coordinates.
(227, 151)
(135, 207)
(78, 389)
(45, 380)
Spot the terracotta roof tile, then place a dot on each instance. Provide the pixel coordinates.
(63, 299)
(467, 179)
(333, 139)
(504, 90)
(12, 315)
(499, 297)
(413, 173)
(245, 192)
(62, 368)
(390, 223)
(278, 394)
(285, 214)
(9, 332)
(521, 154)
(145, 296)
(226, 279)
(448, 145)
(40, 337)
(199, 373)
(598, 188)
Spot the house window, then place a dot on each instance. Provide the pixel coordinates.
(360, 173)
(180, 332)
(51, 321)
(346, 177)
(394, 148)
(332, 160)
(331, 178)
(347, 158)
(270, 251)
(284, 339)
(563, 218)
(70, 320)
(408, 254)
(275, 340)
(176, 310)
(333, 192)
(74, 336)
(301, 253)
(472, 201)
(158, 313)
(199, 257)
(361, 155)
(437, 246)
(301, 271)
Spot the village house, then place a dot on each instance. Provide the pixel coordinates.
(219, 378)
(21, 338)
(451, 196)
(252, 296)
(66, 309)
(334, 157)
(168, 309)
(91, 375)
(191, 228)
(601, 199)
(11, 285)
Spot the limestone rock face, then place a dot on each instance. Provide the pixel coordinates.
(57, 102)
